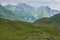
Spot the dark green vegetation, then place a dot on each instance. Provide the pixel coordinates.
(52, 20)
(44, 29)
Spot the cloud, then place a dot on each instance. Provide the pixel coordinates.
(36, 3)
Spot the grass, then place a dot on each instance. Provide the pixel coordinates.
(17, 30)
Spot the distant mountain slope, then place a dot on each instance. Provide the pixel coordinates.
(22, 11)
(46, 11)
(6, 14)
(52, 20)
(28, 13)
(10, 7)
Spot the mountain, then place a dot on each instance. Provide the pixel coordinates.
(46, 11)
(21, 30)
(52, 20)
(25, 12)
(6, 14)
(22, 11)
(10, 7)
(28, 13)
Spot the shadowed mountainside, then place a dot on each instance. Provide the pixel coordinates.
(52, 20)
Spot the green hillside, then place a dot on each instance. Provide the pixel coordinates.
(19, 30)
(52, 20)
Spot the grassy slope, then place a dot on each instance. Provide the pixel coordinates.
(52, 20)
(18, 30)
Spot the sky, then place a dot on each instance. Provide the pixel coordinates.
(55, 4)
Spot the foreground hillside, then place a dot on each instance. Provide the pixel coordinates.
(18, 30)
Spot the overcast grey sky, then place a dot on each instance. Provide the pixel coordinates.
(36, 3)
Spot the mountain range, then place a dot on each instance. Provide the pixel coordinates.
(52, 20)
(28, 13)
(6, 14)
(42, 29)
(13, 25)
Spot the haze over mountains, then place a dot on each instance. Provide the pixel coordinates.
(28, 13)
